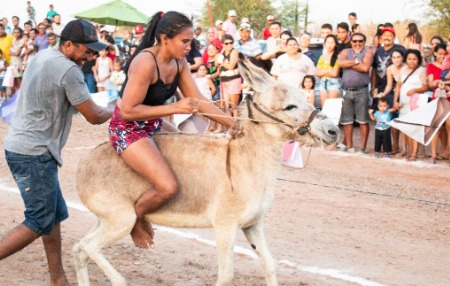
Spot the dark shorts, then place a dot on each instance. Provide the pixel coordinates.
(37, 179)
(124, 133)
(355, 105)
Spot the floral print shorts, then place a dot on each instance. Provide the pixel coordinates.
(124, 133)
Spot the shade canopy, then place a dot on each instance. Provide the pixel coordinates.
(117, 13)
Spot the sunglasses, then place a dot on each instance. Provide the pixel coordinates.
(228, 43)
(358, 41)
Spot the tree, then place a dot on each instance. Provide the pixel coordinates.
(294, 15)
(439, 15)
(255, 10)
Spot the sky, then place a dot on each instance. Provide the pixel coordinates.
(321, 11)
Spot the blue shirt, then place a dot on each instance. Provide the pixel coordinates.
(382, 119)
(250, 49)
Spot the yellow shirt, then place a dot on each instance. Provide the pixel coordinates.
(326, 65)
(5, 45)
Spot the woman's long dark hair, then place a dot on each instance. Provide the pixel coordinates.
(335, 51)
(414, 31)
(170, 24)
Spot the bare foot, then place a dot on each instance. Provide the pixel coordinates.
(142, 235)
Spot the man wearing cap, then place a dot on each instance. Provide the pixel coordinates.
(138, 31)
(266, 33)
(218, 25)
(381, 61)
(52, 89)
(229, 26)
(246, 45)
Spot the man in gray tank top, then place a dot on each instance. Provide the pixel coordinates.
(356, 63)
(52, 88)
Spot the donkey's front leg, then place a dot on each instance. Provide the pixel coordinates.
(225, 237)
(255, 235)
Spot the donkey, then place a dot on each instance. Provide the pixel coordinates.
(226, 183)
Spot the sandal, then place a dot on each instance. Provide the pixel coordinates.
(433, 161)
(412, 158)
(441, 157)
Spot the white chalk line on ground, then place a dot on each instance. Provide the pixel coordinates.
(336, 274)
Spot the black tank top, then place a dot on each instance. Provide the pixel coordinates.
(158, 92)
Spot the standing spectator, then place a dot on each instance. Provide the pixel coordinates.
(88, 72)
(138, 32)
(307, 90)
(280, 49)
(212, 36)
(53, 41)
(304, 41)
(343, 35)
(230, 80)
(393, 76)
(27, 26)
(5, 43)
(57, 25)
(30, 48)
(3, 67)
(51, 12)
(413, 81)
(355, 63)
(377, 38)
(382, 60)
(328, 71)
(205, 83)
(413, 39)
(356, 28)
(38, 132)
(118, 75)
(16, 56)
(325, 30)
(273, 43)
(200, 38)
(292, 66)
(229, 26)
(31, 12)
(246, 45)
(434, 71)
(103, 69)
(436, 39)
(8, 29)
(41, 40)
(15, 22)
(266, 33)
(194, 58)
(218, 25)
(352, 18)
(382, 133)
(214, 73)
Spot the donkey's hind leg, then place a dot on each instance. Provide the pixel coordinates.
(81, 258)
(255, 235)
(113, 226)
(225, 238)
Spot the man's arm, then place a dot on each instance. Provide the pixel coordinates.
(364, 65)
(93, 113)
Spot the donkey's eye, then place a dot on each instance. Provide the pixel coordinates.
(290, 107)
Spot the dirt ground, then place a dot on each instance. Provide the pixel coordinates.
(345, 219)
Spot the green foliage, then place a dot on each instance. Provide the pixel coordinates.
(255, 10)
(292, 15)
(439, 15)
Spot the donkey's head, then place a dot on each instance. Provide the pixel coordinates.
(294, 117)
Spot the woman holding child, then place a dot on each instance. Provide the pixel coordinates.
(434, 71)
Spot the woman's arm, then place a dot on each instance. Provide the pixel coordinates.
(95, 69)
(231, 64)
(190, 90)
(425, 87)
(390, 82)
(397, 94)
(212, 87)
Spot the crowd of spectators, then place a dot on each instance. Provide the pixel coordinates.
(347, 67)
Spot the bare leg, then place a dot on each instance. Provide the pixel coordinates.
(414, 146)
(323, 98)
(404, 145)
(52, 245)
(144, 157)
(234, 103)
(434, 145)
(348, 133)
(16, 239)
(364, 128)
(395, 139)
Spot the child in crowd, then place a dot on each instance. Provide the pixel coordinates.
(307, 90)
(382, 129)
(204, 83)
(102, 70)
(118, 75)
(3, 67)
(446, 65)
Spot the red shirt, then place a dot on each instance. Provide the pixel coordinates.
(266, 33)
(436, 72)
(216, 42)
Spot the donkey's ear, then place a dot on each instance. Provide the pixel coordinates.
(258, 79)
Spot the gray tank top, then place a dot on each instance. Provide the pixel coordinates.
(352, 78)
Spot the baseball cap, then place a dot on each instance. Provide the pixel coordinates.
(231, 13)
(219, 22)
(245, 26)
(82, 32)
(245, 20)
(138, 29)
(270, 17)
(388, 29)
